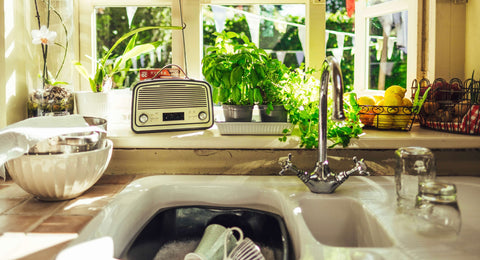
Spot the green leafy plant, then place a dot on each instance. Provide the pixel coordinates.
(236, 69)
(105, 70)
(302, 98)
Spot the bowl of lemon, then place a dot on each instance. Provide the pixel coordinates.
(390, 111)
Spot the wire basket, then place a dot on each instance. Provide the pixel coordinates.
(387, 117)
(451, 106)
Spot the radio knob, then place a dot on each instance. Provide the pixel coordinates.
(143, 118)
(202, 115)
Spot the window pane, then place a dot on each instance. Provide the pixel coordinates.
(279, 29)
(387, 51)
(113, 22)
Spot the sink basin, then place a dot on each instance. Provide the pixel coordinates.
(342, 222)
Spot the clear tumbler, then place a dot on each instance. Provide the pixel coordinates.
(437, 211)
(414, 165)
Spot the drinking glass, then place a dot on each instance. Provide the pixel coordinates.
(437, 211)
(414, 165)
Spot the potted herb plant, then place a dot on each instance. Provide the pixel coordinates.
(272, 88)
(101, 79)
(234, 68)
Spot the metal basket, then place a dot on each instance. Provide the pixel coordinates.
(451, 106)
(387, 117)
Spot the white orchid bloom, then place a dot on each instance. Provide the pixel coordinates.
(43, 36)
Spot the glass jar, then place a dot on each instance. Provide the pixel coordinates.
(49, 25)
(437, 211)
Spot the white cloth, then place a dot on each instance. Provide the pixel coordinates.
(16, 139)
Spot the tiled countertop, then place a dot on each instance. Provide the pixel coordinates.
(33, 229)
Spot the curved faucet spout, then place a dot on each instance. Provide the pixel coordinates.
(322, 180)
(330, 70)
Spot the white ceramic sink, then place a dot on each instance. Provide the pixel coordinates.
(358, 221)
(342, 222)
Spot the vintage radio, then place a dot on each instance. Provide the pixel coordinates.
(171, 104)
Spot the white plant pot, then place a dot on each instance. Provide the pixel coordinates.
(94, 104)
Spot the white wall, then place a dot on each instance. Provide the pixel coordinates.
(472, 39)
(13, 89)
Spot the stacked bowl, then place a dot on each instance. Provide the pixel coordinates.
(65, 166)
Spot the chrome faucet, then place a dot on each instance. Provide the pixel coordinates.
(322, 180)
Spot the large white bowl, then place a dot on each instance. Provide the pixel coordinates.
(60, 176)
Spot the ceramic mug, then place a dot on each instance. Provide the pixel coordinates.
(216, 239)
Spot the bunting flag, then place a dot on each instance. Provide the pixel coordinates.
(350, 7)
(131, 10)
(281, 55)
(254, 26)
(302, 36)
(300, 55)
(220, 16)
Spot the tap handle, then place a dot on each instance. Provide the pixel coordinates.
(286, 163)
(360, 166)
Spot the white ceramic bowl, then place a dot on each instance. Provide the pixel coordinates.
(60, 176)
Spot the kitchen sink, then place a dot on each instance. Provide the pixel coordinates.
(342, 222)
(358, 221)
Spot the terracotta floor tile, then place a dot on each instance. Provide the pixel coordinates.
(89, 206)
(102, 191)
(33, 206)
(6, 204)
(17, 223)
(115, 179)
(62, 224)
(13, 191)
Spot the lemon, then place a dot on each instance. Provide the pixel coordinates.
(377, 98)
(383, 121)
(401, 121)
(395, 89)
(366, 101)
(407, 102)
(393, 100)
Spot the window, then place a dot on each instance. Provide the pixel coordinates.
(385, 41)
(301, 45)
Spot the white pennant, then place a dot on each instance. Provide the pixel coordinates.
(338, 54)
(300, 56)
(131, 10)
(219, 15)
(254, 26)
(281, 55)
(302, 35)
(391, 44)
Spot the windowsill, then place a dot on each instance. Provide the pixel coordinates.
(124, 137)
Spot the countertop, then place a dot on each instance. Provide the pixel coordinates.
(32, 229)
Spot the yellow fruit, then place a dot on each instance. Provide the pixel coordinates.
(401, 121)
(366, 101)
(383, 121)
(393, 100)
(377, 98)
(397, 90)
(407, 102)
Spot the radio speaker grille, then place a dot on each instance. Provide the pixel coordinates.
(172, 96)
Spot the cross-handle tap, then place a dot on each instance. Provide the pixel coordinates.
(322, 180)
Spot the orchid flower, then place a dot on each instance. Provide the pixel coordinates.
(43, 36)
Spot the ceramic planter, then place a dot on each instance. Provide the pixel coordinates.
(95, 104)
(278, 114)
(238, 113)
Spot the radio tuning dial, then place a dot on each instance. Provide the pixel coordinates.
(143, 118)
(202, 115)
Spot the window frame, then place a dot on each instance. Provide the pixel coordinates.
(192, 16)
(363, 12)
